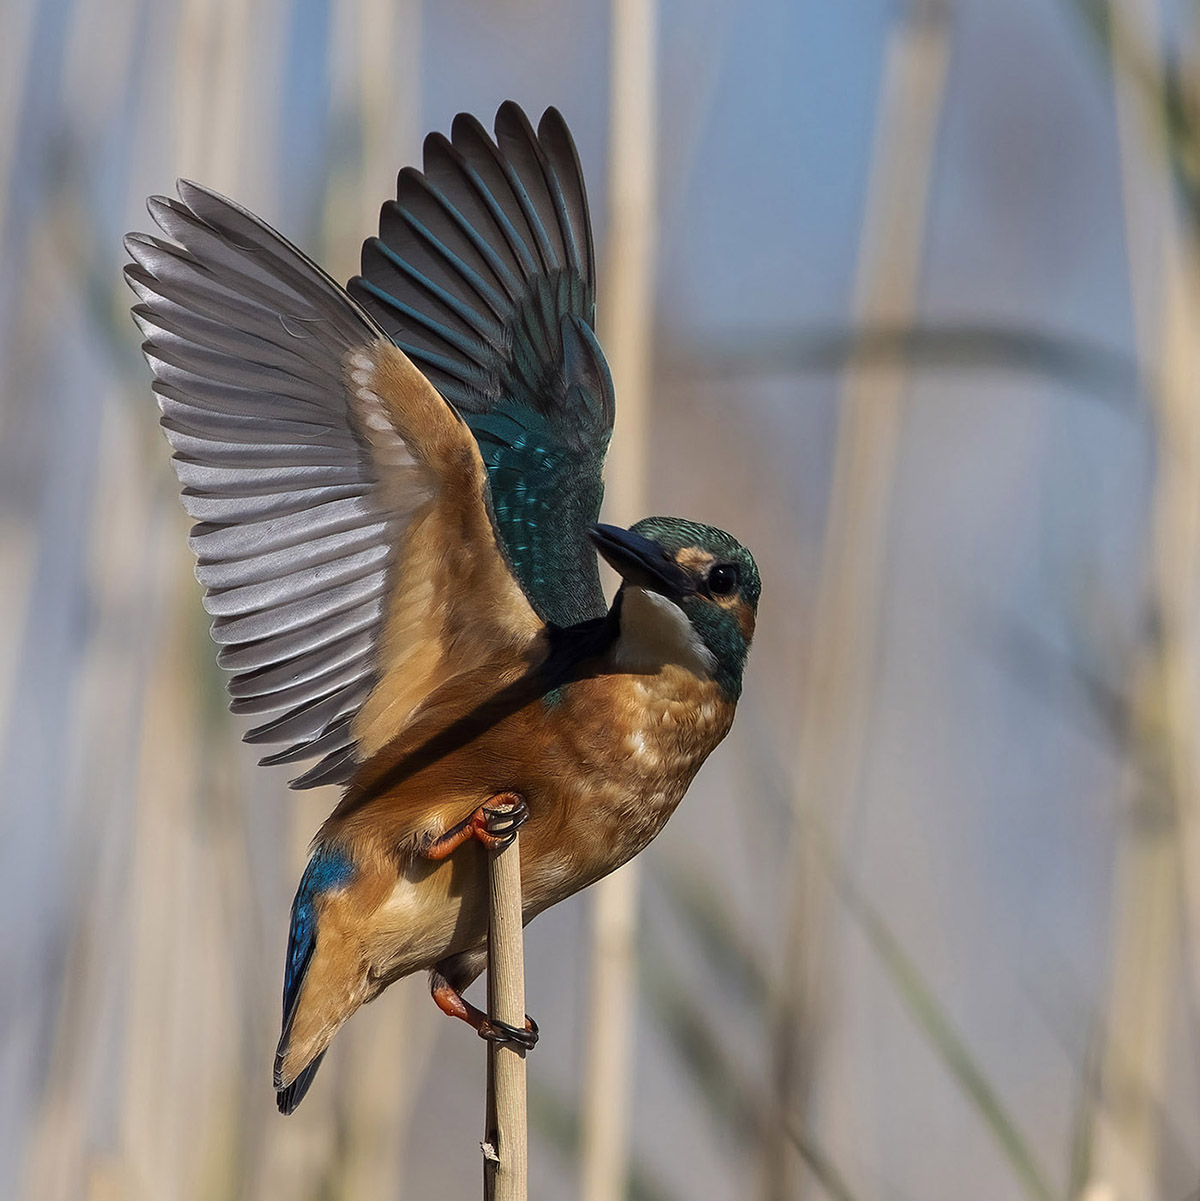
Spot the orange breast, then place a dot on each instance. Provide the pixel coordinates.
(602, 770)
(625, 749)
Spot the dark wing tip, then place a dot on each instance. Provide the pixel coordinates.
(510, 109)
(468, 126)
(555, 134)
(137, 243)
(189, 191)
(435, 143)
(135, 274)
(190, 188)
(511, 117)
(335, 768)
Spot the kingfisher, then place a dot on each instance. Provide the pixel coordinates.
(396, 488)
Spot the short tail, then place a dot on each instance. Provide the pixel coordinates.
(329, 870)
(288, 1098)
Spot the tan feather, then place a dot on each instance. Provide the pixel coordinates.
(453, 602)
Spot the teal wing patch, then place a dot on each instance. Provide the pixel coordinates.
(484, 275)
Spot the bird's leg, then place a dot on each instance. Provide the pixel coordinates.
(449, 1000)
(494, 824)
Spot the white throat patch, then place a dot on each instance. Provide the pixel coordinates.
(655, 632)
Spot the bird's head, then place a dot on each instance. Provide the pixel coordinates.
(693, 577)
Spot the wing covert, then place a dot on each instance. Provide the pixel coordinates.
(484, 275)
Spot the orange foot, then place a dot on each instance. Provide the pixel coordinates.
(494, 824)
(450, 1000)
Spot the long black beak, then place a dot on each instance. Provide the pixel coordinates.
(641, 562)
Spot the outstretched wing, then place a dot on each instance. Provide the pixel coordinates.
(484, 275)
(343, 536)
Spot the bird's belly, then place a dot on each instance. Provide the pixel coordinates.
(631, 771)
(612, 825)
(610, 767)
(431, 911)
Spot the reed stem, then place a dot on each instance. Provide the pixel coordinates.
(1152, 875)
(505, 1145)
(626, 321)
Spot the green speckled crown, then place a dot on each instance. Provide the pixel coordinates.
(676, 533)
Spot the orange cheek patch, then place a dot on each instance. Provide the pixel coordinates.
(745, 619)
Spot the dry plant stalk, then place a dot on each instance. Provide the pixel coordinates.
(1152, 874)
(626, 322)
(505, 1140)
(835, 706)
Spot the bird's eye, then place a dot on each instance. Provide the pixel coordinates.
(723, 579)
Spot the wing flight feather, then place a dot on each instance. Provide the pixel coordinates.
(483, 273)
(321, 469)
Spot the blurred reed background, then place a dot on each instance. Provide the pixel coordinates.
(926, 335)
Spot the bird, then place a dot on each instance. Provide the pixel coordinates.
(396, 489)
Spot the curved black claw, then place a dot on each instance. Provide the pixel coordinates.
(496, 1031)
(503, 824)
